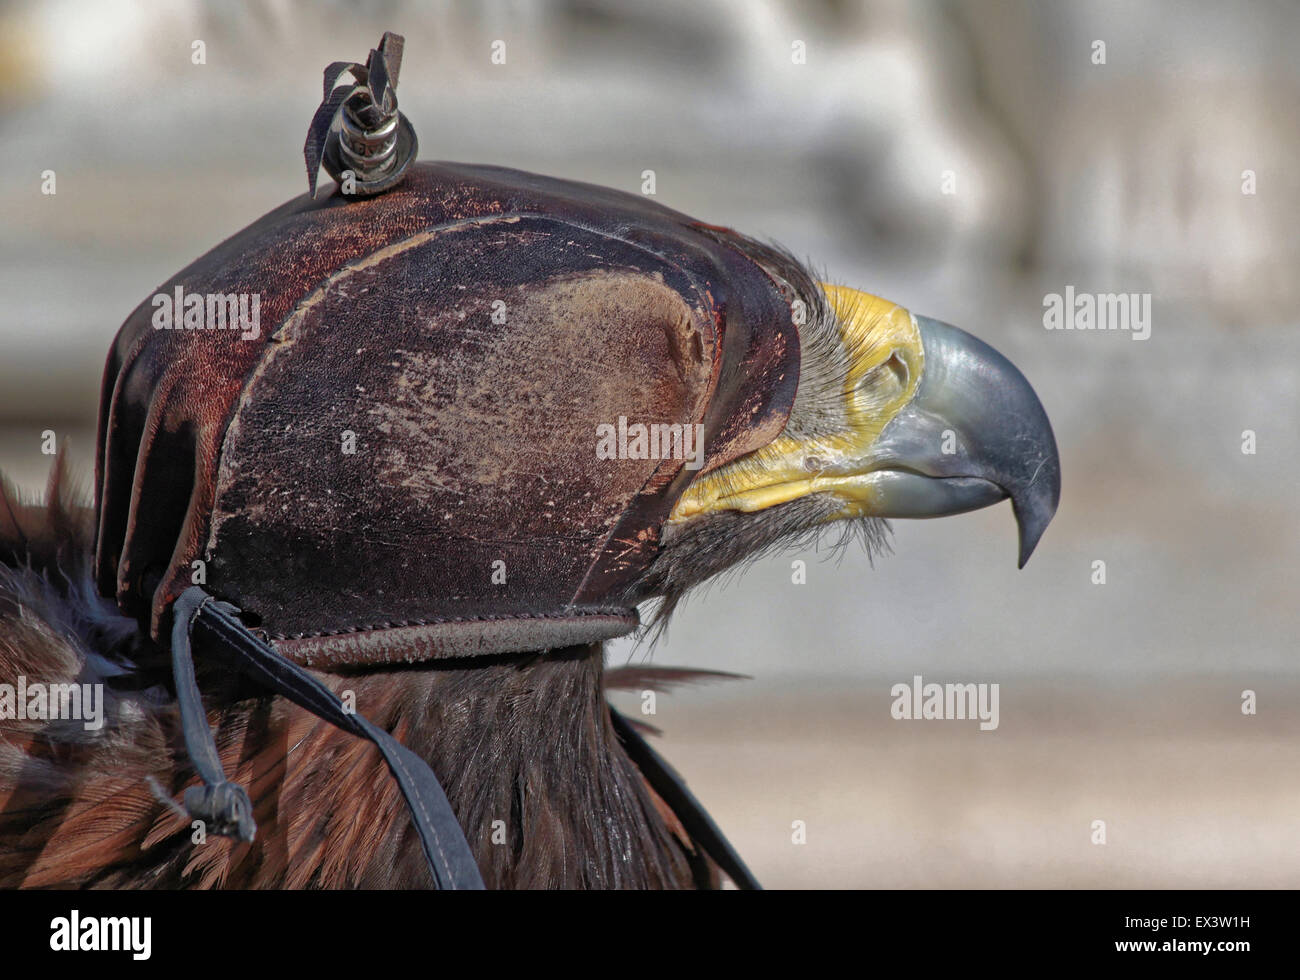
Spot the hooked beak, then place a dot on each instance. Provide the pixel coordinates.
(960, 429)
(973, 434)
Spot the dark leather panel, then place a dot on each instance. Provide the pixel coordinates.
(475, 439)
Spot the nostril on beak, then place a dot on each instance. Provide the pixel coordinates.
(899, 369)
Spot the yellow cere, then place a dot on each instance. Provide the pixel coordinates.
(883, 348)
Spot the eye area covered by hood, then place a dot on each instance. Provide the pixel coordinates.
(410, 441)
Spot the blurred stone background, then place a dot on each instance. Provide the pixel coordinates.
(1120, 702)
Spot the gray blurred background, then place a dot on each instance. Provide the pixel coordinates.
(1119, 702)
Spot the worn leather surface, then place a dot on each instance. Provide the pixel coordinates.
(475, 440)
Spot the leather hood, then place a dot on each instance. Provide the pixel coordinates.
(407, 445)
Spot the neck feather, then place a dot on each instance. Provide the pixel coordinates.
(525, 751)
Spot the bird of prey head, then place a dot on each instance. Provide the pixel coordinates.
(895, 416)
(467, 410)
(470, 425)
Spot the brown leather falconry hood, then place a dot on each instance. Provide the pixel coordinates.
(406, 446)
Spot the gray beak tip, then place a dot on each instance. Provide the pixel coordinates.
(1035, 505)
(1028, 542)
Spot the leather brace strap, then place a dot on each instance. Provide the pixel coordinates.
(222, 805)
(672, 790)
(227, 808)
(450, 861)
